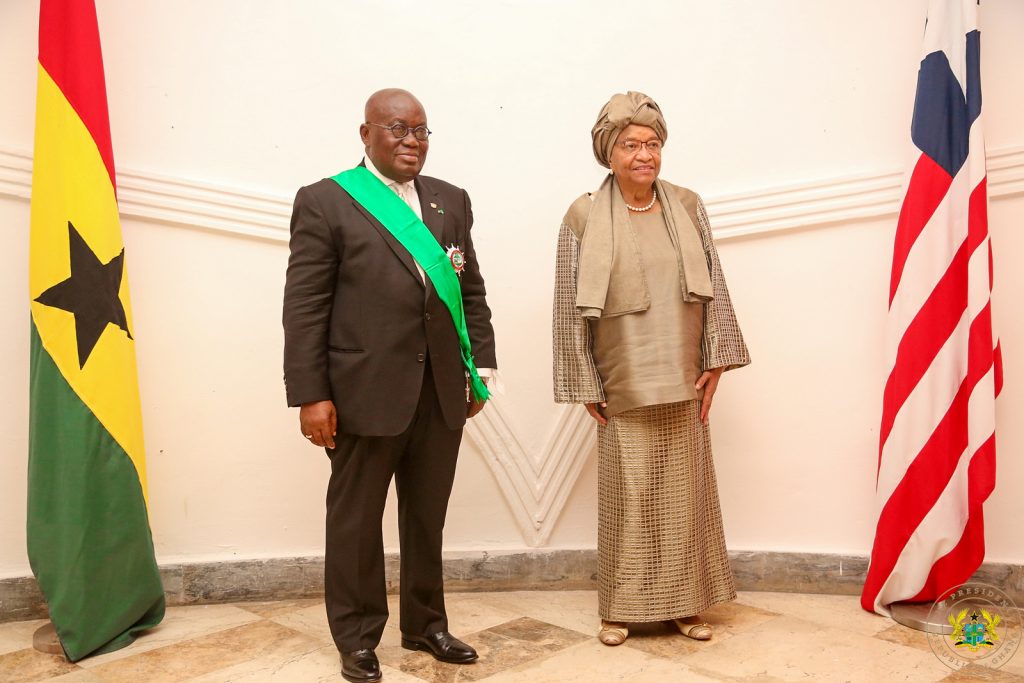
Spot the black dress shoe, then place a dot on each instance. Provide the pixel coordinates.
(360, 666)
(443, 645)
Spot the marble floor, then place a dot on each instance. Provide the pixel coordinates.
(535, 637)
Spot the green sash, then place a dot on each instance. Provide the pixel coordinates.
(402, 222)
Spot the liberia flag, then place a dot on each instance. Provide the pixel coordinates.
(936, 463)
(89, 541)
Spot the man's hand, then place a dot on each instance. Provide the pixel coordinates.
(474, 406)
(319, 423)
(596, 411)
(709, 381)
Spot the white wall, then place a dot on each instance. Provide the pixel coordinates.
(264, 97)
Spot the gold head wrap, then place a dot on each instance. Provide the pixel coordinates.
(620, 111)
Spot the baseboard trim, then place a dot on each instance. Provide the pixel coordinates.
(473, 571)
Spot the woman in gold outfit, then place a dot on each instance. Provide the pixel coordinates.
(643, 329)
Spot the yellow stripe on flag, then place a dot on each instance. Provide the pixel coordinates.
(71, 183)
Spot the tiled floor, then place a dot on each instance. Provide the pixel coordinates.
(535, 637)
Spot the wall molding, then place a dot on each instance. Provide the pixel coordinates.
(174, 201)
(535, 486)
(262, 215)
(287, 578)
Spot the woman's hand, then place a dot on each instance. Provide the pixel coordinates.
(709, 382)
(596, 411)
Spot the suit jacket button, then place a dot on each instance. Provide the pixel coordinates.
(420, 358)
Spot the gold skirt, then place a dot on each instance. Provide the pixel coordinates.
(660, 544)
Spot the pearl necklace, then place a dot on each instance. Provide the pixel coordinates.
(641, 209)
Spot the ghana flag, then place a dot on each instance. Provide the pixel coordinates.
(89, 542)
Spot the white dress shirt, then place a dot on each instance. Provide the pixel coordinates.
(407, 191)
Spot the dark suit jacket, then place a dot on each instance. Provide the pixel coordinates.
(359, 322)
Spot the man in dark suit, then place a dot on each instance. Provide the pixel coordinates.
(372, 358)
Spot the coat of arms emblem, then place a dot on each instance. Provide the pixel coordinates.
(974, 634)
(976, 624)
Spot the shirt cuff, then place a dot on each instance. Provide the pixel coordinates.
(492, 378)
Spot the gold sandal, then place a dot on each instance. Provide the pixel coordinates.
(612, 633)
(697, 631)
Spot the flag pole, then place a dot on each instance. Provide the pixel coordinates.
(919, 616)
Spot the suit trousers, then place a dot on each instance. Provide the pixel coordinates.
(422, 461)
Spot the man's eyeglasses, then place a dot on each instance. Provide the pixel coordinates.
(400, 130)
(633, 146)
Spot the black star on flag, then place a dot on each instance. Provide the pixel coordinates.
(90, 294)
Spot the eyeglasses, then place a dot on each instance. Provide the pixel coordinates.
(400, 130)
(633, 146)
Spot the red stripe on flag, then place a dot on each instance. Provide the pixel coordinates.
(928, 186)
(924, 338)
(929, 473)
(915, 495)
(69, 50)
(957, 566)
(997, 362)
(977, 217)
(905, 554)
(936, 320)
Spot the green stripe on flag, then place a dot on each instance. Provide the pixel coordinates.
(89, 541)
